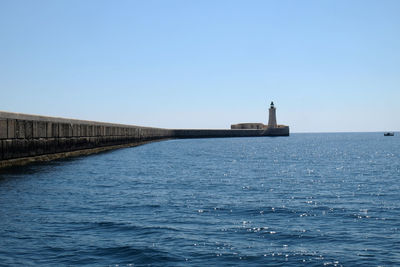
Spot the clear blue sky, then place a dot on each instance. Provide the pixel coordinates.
(327, 65)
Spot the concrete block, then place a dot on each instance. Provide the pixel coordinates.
(40, 146)
(79, 130)
(49, 132)
(110, 140)
(115, 140)
(51, 145)
(33, 147)
(47, 149)
(79, 133)
(65, 130)
(88, 143)
(73, 144)
(139, 134)
(70, 130)
(89, 130)
(92, 130)
(7, 149)
(19, 129)
(54, 130)
(100, 141)
(39, 129)
(10, 128)
(143, 134)
(82, 143)
(93, 141)
(43, 129)
(75, 130)
(104, 140)
(35, 129)
(65, 144)
(3, 128)
(61, 144)
(70, 144)
(83, 130)
(19, 148)
(28, 129)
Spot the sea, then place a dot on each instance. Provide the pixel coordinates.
(327, 199)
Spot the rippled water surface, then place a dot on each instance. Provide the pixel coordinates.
(307, 199)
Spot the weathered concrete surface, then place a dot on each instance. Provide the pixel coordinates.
(283, 131)
(75, 153)
(26, 138)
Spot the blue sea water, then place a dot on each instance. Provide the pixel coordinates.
(303, 200)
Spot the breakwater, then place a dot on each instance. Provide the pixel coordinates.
(27, 138)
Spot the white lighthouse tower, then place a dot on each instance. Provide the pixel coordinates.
(272, 117)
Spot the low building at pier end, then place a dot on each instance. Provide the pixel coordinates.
(272, 125)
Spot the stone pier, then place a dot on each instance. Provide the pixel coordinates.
(28, 138)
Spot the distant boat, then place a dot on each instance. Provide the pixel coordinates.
(389, 134)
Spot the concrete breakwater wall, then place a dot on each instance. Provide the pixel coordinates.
(200, 133)
(26, 138)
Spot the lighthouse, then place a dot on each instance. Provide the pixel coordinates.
(272, 117)
(272, 129)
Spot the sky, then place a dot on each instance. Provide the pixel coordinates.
(329, 66)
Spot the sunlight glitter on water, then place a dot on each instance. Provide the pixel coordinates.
(209, 202)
